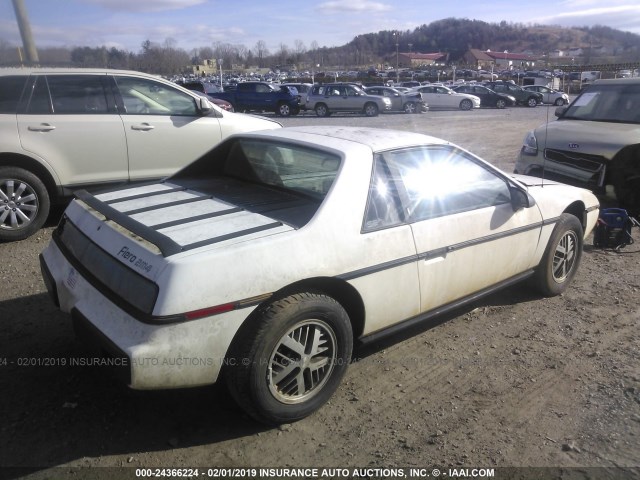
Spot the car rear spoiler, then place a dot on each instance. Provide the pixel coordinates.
(165, 244)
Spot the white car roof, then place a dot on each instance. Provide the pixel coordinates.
(376, 139)
(50, 70)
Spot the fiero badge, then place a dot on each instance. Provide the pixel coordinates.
(574, 146)
(125, 254)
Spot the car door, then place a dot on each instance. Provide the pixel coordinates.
(164, 128)
(467, 235)
(430, 95)
(351, 97)
(72, 123)
(390, 286)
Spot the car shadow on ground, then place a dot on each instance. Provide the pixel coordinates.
(518, 293)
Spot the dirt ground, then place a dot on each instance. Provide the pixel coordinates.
(515, 380)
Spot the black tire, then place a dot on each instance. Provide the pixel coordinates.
(532, 102)
(501, 103)
(322, 110)
(371, 109)
(410, 107)
(625, 178)
(284, 110)
(466, 104)
(272, 357)
(24, 204)
(561, 257)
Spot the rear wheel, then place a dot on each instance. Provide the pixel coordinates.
(561, 257)
(24, 203)
(371, 110)
(289, 358)
(322, 110)
(466, 104)
(284, 110)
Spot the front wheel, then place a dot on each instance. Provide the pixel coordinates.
(410, 107)
(561, 257)
(289, 357)
(532, 102)
(371, 110)
(501, 103)
(24, 203)
(559, 102)
(466, 104)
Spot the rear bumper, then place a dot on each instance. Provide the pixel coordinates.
(177, 355)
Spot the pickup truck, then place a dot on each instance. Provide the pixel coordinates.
(261, 96)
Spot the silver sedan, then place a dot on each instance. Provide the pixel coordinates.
(549, 95)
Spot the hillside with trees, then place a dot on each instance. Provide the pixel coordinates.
(451, 36)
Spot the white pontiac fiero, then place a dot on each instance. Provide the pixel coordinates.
(268, 257)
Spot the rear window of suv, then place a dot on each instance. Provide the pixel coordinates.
(68, 94)
(10, 92)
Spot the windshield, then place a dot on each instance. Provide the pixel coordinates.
(607, 103)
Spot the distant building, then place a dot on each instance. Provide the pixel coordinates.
(209, 67)
(486, 59)
(413, 60)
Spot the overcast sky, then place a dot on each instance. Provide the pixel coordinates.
(125, 24)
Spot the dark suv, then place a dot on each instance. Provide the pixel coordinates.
(522, 96)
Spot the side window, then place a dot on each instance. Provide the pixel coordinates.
(10, 92)
(383, 204)
(147, 97)
(443, 180)
(40, 101)
(76, 94)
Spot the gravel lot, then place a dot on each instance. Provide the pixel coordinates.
(515, 380)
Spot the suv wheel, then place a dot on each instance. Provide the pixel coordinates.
(24, 203)
(532, 102)
(284, 110)
(501, 103)
(322, 110)
(371, 110)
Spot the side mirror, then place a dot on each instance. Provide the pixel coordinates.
(560, 111)
(520, 198)
(204, 106)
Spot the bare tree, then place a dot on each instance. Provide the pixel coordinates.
(261, 51)
(283, 54)
(300, 49)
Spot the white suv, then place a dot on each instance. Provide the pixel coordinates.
(66, 129)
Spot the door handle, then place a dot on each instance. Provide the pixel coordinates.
(43, 127)
(142, 126)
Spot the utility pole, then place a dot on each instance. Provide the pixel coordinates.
(25, 32)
